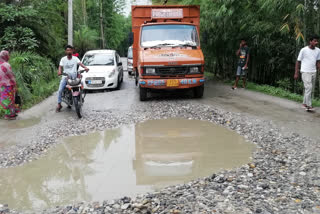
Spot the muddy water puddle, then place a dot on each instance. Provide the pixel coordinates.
(127, 161)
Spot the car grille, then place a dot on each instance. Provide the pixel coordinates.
(95, 85)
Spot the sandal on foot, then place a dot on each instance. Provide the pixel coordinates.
(10, 118)
(58, 109)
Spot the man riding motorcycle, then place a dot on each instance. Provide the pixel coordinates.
(69, 64)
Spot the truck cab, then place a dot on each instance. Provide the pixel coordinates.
(166, 48)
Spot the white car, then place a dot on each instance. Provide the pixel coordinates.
(105, 70)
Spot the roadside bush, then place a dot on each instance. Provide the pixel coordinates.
(285, 84)
(36, 77)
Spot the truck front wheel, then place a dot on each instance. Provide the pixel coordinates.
(198, 91)
(143, 94)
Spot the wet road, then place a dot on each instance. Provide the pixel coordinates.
(287, 115)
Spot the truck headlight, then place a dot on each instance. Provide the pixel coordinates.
(194, 70)
(113, 72)
(150, 70)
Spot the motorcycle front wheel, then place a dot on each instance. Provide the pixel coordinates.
(77, 105)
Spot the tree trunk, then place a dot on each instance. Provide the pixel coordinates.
(305, 23)
(101, 27)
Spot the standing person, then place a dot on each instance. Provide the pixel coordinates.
(75, 53)
(8, 87)
(243, 54)
(308, 60)
(69, 65)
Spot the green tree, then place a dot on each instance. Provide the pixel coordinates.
(85, 39)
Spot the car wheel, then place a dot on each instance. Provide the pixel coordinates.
(118, 84)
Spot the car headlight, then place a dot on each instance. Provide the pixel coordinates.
(113, 72)
(150, 70)
(194, 70)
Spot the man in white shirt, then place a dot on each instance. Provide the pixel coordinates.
(309, 61)
(69, 64)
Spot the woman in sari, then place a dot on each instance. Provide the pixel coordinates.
(8, 87)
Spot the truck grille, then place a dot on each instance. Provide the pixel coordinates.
(172, 70)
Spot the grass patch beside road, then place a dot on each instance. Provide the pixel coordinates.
(208, 76)
(277, 92)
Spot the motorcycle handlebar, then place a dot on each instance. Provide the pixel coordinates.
(65, 74)
(81, 71)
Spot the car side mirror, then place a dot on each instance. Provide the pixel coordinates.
(131, 38)
(120, 64)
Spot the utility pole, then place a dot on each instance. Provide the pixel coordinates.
(70, 23)
(103, 42)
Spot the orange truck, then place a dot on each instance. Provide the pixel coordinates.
(166, 48)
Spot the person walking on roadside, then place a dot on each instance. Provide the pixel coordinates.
(69, 65)
(307, 63)
(243, 53)
(8, 88)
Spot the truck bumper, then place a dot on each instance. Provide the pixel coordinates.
(171, 83)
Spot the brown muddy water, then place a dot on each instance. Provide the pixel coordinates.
(127, 161)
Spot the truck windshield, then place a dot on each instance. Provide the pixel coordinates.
(98, 59)
(169, 35)
(130, 53)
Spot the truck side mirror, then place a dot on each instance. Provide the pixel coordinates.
(119, 63)
(131, 38)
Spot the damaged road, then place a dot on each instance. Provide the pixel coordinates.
(281, 177)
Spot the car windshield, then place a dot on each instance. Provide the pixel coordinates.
(130, 53)
(169, 35)
(98, 59)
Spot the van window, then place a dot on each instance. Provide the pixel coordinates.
(130, 53)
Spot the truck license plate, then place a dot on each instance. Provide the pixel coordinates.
(95, 82)
(172, 83)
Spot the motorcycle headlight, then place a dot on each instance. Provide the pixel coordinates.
(194, 70)
(150, 70)
(113, 72)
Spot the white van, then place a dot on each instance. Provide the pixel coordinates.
(130, 61)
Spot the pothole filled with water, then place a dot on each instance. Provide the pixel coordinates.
(121, 162)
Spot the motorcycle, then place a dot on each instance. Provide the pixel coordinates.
(73, 94)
